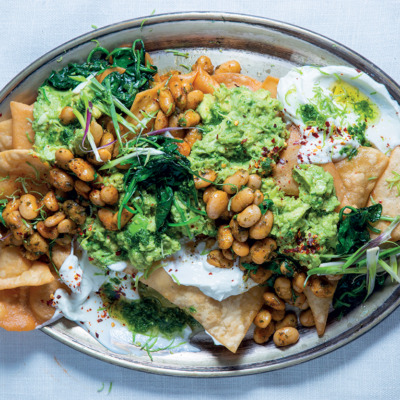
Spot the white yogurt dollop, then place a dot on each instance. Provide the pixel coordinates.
(189, 267)
(315, 86)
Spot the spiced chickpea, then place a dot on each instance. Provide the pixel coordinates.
(228, 66)
(228, 254)
(66, 226)
(109, 195)
(192, 137)
(283, 288)
(64, 240)
(194, 98)
(290, 320)
(261, 251)
(254, 182)
(97, 131)
(19, 228)
(306, 318)
(75, 212)
(204, 176)
(184, 148)
(298, 281)
(67, 115)
(50, 201)
(263, 227)
(47, 233)
(242, 199)
(176, 89)
(63, 157)
(29, 208)
(189, 119)
(61, 180)
(95, 198)
(187, 87)
(205, 63)
(161, 121)
(36, 244)
(234, 183)
(239, 233)
(82, 188)
(224, 237)
(273, 301)
(261, 275)
(242, 249)
(249, 216)
(217, 204)
(286, 336)
(216, 258)
(82, 169)
(263, 318)
(262, 335)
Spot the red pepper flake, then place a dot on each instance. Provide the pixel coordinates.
(99, 320)
(97, 335)
(210, 273)
(91, 258)
(327, 124)
(243, 141)
(118, 253)
(58, 297)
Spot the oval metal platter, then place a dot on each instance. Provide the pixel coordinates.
(263, 47)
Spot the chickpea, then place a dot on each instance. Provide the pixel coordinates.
(224, 237)
(66, 226)
(307, 318)
(29, 208)
(228, 254)
(261, 275)
(286, 336)
(166, 101)
(258, 197)
(263, 227)
(95, 198)
(66, 115)
(75, 212)
(217, 204)
(262, 319)
(61, 180)
(82, 188)
(109, 195)
(97, 131)
(262, 335)
(273, 301)
(47, 233)
(234, 183)
(240, 234)
(194, 99)
(184, 149)
(216, 258)
(11, 206)
(277, 315)
(242, 199)
(254, 182)
(126, 216)
(241, 249)
(262, 249)
(322, 287)
(298, 300)
(192, 137)
(104, 155)
(290, 320)
(206, 175)
(173, 123)
(63, 157)
(283, 288)
(36, 244)
(176, 89)
(161, 121)
(229, 66)
(205, 63)
(249, 216)
(82, 169)
(298, 281)
(50, 201)
(189, 119)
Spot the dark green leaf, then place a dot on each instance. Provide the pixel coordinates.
(265, 206)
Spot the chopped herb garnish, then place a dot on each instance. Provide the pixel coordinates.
(394, 181)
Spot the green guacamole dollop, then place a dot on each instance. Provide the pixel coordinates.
(305, 227)
(241, 128)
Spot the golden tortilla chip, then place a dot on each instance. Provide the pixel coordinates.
(23, 135)
(388, 196)
(356, 175)
(271, 84)
(232, 80)
(282, 172)
(319, 308)
(12, 263)
(15, 313)
(6, 135)
(227, 321)
(22, 163)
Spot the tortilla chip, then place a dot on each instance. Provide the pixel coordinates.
(282, 171)
(232, 80)
(389, 198)
(337, 181)
(319, 308)
(356, 174)
(23, 135)
(22, 163)
(271, 84)
(15, 313)
(38, 274)
(12, 263)
(227, 321)
(6, 135)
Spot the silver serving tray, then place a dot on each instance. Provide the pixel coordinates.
(263, 47)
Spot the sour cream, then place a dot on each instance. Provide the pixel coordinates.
(189, 267)
(333, 90)
(86, 308)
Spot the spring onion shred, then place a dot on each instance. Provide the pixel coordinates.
(372, 264)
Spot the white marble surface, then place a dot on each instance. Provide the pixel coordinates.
(34, 366)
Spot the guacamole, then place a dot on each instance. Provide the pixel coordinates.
(305, 227)
(241, 129)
